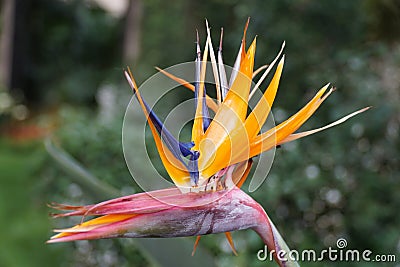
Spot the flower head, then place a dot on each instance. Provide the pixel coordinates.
(209, 170)
(227, 142)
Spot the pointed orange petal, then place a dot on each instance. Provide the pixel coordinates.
(244, 38)
(296, 136)
(226, 135)
(247, 64)
(272, 137)
(197, 129)
(230, 241)
(257, 117)
(196, 243)
(92, 224)
(177, 79)
(266, 72)
(238, 94)
(176, 170)
(210, 102)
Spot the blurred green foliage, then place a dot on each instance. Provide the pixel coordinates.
(69, 48)
(340, 183)
(24, 222)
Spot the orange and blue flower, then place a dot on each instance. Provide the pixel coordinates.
(208, 171)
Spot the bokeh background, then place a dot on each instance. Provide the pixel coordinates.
(61, 65)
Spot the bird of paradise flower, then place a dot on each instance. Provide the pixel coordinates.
(208, 171)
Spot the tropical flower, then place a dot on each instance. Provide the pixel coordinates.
(208, 171)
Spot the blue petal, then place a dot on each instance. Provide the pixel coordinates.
(185, 148)
(193, 167)
(206, 117)
(178, 149)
